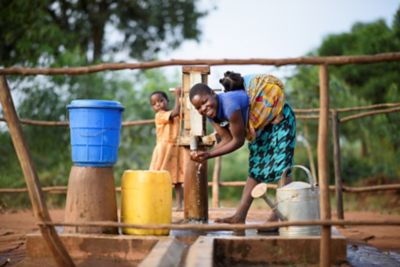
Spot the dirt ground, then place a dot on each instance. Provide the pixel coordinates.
(15, 225)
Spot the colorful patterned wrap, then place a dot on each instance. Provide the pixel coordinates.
(266, 101)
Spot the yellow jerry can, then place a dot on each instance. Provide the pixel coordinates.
(146, 198)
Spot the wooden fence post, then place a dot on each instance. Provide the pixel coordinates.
(337, 164)
(307, 145)
(40, 211)
(215, 182)
(325, 247)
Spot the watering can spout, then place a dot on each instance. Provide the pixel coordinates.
(260, 191)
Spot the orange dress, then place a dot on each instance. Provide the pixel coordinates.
(167, 155)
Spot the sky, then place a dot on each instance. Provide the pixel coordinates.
(274, 29)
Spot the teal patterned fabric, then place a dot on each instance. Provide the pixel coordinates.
(272, 151)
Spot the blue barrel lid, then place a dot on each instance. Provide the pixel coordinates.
(93, 103)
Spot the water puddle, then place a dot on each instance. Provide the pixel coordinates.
(367, 256)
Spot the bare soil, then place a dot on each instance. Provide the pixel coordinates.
(15, 225)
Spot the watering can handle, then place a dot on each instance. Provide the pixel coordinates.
(311, 179)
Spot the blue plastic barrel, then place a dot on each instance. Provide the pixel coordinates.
(95, 127)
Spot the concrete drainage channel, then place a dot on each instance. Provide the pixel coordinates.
(191, 251)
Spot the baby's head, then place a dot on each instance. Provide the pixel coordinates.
(159, 101)
(232, 81)
(204, 100)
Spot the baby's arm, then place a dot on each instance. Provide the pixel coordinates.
(177, 108)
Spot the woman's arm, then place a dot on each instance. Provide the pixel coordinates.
(231, 139)
(223, 133)
(236, 133)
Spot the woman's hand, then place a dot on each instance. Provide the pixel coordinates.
(199, 156)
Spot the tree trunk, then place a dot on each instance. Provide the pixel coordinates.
(98, 16)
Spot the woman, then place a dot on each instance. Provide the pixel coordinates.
(260, 115)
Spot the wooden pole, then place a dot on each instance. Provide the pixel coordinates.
(195, 192)
(337, 165)
(309, 153)
(215, 182)
(325, 210)
(40, 211)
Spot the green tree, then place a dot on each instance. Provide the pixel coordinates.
(369, 145)
(97, 28)
(375, 82)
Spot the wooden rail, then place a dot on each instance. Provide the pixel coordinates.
(346, 189)
(223, 226)
(301, 116)
(368, 107)
(369, 113)
(329, 60)
(66, 123)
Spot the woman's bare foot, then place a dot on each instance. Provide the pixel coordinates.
(232, 219)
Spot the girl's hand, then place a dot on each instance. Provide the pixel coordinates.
(178, 91)
(177, 108)
(199, 156)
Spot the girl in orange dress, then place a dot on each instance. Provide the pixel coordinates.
(167, 155)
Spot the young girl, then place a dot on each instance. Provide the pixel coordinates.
(236, 115)
(167, 155)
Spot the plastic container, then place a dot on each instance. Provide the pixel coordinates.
(95, 127)
(146, 198)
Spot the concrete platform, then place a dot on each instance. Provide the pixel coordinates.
(205, 250)
(189, 248)
(262, 251)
